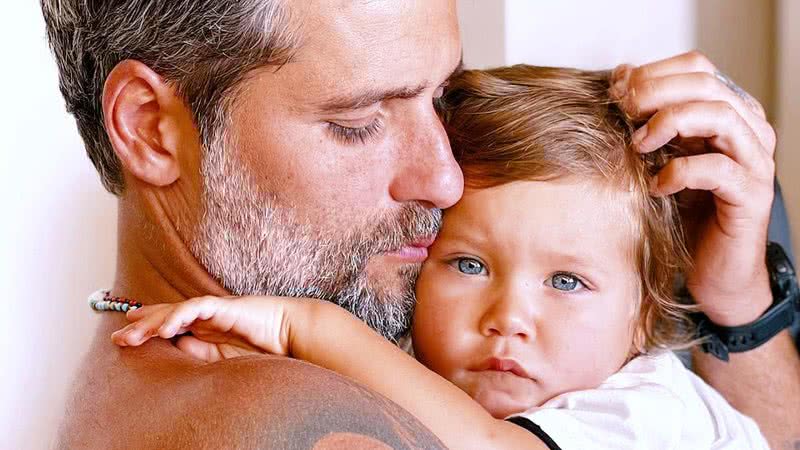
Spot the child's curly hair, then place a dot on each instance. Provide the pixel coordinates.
(539, 123)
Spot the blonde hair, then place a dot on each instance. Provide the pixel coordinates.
(538, 123)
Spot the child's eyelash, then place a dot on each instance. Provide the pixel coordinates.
(352, 136)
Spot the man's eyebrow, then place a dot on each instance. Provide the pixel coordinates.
(345, 102)
(366, 98)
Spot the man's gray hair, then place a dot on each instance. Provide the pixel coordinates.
(204, 47)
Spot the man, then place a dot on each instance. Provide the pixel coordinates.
(293, 148)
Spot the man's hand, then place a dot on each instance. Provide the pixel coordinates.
(221, 328)
(728, 150)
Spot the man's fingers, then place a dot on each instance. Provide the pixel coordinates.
(716, 121)
(626, 75)
(693, 61)
(685, 78)
(644, 98)
(713, 172)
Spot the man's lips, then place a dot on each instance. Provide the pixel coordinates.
(416, 251)
(505, 365)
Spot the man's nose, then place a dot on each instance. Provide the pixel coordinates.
(428, 172)
(509, 315)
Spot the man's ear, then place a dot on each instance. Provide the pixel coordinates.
(138, 106)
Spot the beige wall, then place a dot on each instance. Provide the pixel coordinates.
(757, 43)
(739, 36)
(787, 109)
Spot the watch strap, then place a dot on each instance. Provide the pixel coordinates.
(721, 340)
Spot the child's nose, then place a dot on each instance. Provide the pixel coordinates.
(509, 317)
(509, 328)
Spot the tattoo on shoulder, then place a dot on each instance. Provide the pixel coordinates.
(367, 421)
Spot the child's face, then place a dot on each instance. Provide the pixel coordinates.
(529, 291)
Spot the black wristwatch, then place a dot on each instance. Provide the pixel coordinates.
(720, 340)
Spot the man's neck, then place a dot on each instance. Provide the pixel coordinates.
(154, 264)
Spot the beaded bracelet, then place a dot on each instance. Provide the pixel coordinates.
(102, 300)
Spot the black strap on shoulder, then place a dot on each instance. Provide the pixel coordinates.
(536, 430)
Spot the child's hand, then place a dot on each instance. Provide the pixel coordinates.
(221, 327)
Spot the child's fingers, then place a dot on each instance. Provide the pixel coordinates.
(201, 350)
(144, 328)
(118, 337)
(136, 314)
(185, 314)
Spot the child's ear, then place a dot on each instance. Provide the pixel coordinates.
(639, 341)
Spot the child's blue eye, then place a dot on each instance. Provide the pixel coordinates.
(564, 281)
(470, 266)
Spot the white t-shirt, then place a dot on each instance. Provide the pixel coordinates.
(653, 402)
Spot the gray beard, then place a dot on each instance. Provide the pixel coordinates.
(254, 246)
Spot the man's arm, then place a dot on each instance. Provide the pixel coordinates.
(728, 150)
(763, 383)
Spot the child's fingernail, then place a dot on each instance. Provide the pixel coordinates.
(639, 137)
(133, 335)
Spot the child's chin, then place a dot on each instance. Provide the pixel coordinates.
(500, 405)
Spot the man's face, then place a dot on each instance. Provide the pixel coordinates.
(330, 176)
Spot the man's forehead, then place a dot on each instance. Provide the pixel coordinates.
(373, 49)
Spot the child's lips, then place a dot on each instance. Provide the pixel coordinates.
(510, 365)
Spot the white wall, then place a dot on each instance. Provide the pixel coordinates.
(597, 34)
(57, 235)
(482, 32)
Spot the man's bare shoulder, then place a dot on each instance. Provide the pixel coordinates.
(141, 398)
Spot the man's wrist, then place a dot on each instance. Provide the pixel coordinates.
(736, 330)
(761, 302)
(736, 308)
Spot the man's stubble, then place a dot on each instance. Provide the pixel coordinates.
(255, 244)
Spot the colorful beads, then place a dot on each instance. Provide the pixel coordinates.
(102, 300)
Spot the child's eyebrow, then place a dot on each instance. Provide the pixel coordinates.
(477, 240)
(580, 261)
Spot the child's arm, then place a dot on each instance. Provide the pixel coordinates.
(328, 336)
